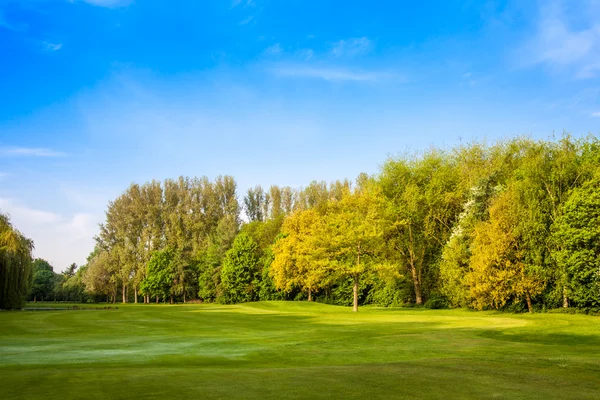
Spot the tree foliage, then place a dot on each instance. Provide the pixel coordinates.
(15, 265)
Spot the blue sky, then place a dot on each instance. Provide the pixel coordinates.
(96, 94)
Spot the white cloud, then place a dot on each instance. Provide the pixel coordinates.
(246, 20)
(327, 73)
(351, 47)
(26, 214)
(272, 50)
(109, 3)
(52, 46)
(57, 238)
(560, 44)
(3, 175)
(29, 151)
(595, 114)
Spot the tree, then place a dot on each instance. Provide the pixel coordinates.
(297, 254)
(578, 232)
(44, 280)
(160, 275)
(353, 235)
(499, 270)
(422, 193)
(254, 203)
(71, 270)
(98, 278)
(15, 265)
(241, 271)
(454, 264)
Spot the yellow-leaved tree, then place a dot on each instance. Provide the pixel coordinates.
(352, 238)
(498, 269)
(298, 258)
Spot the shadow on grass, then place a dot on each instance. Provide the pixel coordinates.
(555, 339)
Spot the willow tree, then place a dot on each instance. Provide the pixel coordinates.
(15, 265)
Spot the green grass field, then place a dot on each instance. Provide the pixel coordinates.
(278, 350)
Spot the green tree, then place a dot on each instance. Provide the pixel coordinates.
(15, 265)
(254, 203)
(422, 192)
(241, 271)
(160, 275)
(44, 280)
(578, 232)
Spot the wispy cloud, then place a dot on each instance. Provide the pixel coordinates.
(305, 54)
(4, 23)
(52, 46)
(327, 73)
(27, 214)
(247, 20)
(11, 25)
(247, 3)
(558, 44)
(273, 50)
(3, 175)
(30, 151)
(108, 3)
(595, 114)
(351, 47)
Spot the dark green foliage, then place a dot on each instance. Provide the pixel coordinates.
(267, 290)
(391, 292)
(46, 284)
(578, 232)
(160, 274)
(240, 274)
(209, 275)
(436, 301)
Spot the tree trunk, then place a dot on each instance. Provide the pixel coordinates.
(565, 297)
(417, 285)
(355, 290)
(156, 299)
(309, 294)
(529, 306)
(184, 297)
(124, 293)
(171, 300)
(135, 293)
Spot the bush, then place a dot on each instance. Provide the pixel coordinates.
(436, 301)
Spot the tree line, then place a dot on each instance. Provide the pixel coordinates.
(514, 225)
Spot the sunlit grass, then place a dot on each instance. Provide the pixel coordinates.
(279, 350)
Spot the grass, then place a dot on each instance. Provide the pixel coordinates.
(278, 350)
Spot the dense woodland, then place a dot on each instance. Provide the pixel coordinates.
(512, 226)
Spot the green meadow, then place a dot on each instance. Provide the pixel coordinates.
(294, 350)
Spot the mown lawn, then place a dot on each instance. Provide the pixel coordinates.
(278, 350)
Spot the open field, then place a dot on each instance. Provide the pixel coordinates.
(278, 350)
